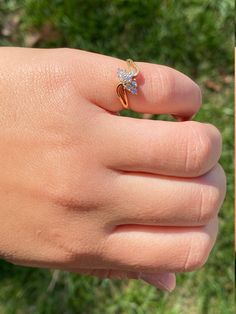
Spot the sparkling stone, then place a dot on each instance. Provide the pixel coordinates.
(126, 78)
(134, 91)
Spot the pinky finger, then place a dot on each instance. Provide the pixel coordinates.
(162, 281)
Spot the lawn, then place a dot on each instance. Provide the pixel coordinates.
(194, 36)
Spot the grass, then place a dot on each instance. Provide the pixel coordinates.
(195, 37)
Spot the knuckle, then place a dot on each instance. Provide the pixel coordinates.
(66, 52)
(202, 148)
(57, 68)
(212, 195)
(69, 58)
(66, 57)
(72, 194)
(210, 200)
(65, 195)
(65, 183)
(61, 189)
(69, 202)
(197, 253)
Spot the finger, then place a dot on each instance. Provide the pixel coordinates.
(186, 149)
(163, 281)
(160, 88)
(159, 249)
(165, 201)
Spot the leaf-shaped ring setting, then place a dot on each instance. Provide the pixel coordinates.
(127, 82)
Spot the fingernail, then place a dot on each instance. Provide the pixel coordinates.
(164, 281)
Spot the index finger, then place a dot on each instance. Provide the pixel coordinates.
(161, 89)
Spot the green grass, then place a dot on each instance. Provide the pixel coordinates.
(196, 37)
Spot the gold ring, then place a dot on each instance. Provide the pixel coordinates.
(127, 82)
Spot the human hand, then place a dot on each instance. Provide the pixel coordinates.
(85, 190)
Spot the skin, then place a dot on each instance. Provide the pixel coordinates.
(85, 190)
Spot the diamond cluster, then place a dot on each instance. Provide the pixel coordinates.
(128, 80)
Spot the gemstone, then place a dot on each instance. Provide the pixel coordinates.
(126, 78)
(134, 91)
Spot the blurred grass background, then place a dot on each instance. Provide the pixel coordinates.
(194, 36)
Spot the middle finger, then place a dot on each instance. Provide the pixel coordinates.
(183, 149)
(166, 201)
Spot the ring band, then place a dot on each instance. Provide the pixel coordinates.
(127, 82)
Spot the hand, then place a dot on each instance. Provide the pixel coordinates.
(85, 190)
